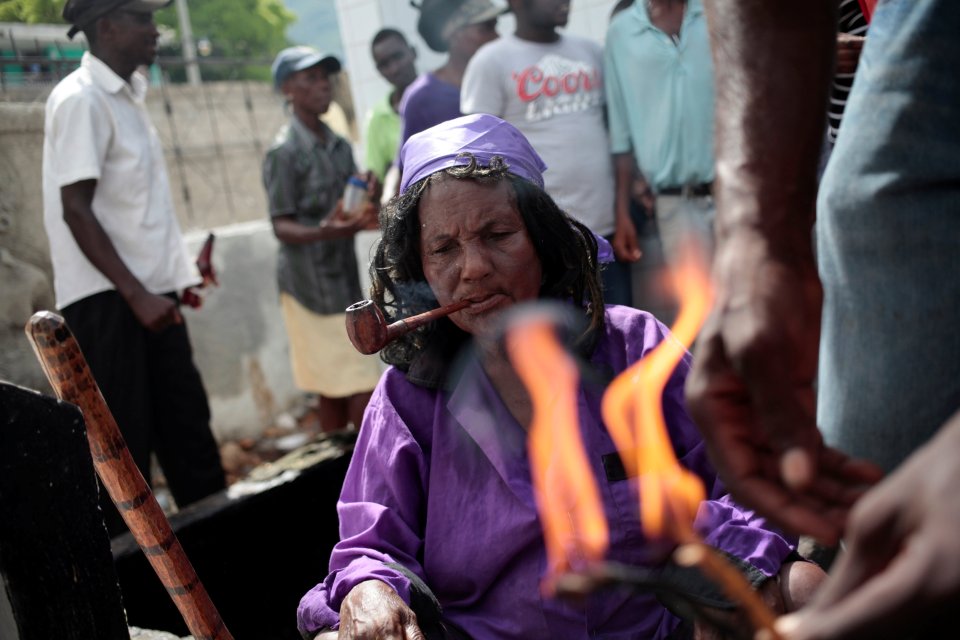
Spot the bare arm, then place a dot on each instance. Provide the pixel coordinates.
(625, 234)
(155, 312)
(751, 390)
(334, 226)
(773, 66)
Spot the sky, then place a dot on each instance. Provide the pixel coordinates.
(316, 25)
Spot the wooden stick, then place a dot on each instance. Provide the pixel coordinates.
(705, 558)
(68, 373)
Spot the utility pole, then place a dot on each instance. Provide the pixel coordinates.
(186, 42)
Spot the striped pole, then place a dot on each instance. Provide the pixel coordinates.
(68, 373)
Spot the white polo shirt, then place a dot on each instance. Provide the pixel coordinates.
(97, 127)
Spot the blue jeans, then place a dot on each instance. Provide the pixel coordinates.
(888, 239)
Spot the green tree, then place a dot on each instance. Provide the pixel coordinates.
(250, 29)
(31, 11)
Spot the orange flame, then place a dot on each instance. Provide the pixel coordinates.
(632, 410)
(566, 491)
(567, 495)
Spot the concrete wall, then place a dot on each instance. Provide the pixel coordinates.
(25, 276)
(238, 336)
(361, 19)
(240, 344)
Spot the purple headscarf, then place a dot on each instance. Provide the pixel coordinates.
(480, 135)
(483, 136)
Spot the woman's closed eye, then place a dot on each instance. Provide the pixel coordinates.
(499, 235)
(443, 249)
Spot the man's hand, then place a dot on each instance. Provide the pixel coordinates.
(155, 312)
(625, 245)
(643, 194)
(373, 611)
(751, 392)
(337, 224)
(340, 224)
(901, 569)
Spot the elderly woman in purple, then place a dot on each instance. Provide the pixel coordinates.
(439, 533)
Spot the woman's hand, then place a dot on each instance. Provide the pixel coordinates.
(373, 611)
(792, 588)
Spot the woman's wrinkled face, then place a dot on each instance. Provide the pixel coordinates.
(474, 246)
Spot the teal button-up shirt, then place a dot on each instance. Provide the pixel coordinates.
(660, 96)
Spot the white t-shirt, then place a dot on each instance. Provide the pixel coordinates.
(553, 93)
(97, 127)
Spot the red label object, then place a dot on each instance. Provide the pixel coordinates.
(190, 297)
(867, 6)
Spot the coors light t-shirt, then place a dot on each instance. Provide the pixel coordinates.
(554, 94)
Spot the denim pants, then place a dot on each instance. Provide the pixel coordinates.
(888, 239)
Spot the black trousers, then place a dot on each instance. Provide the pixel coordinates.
(155, 394)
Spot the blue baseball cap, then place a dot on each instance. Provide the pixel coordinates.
(293, 59)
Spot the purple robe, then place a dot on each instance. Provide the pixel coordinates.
(440, 483)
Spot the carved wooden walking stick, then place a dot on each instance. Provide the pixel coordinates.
(68, 373)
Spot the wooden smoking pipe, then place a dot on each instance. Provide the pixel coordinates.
(70, 376)
(368, 329)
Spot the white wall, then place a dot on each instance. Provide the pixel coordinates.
(361, 19)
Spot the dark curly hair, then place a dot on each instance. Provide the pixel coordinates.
(566, 248)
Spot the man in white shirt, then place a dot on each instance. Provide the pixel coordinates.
(550, 86)
(118, 256)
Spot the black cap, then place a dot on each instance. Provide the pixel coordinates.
(440, 18)
(83, 13)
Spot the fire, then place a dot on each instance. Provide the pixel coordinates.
(568, 499)
(632, 411)
(566, 491)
